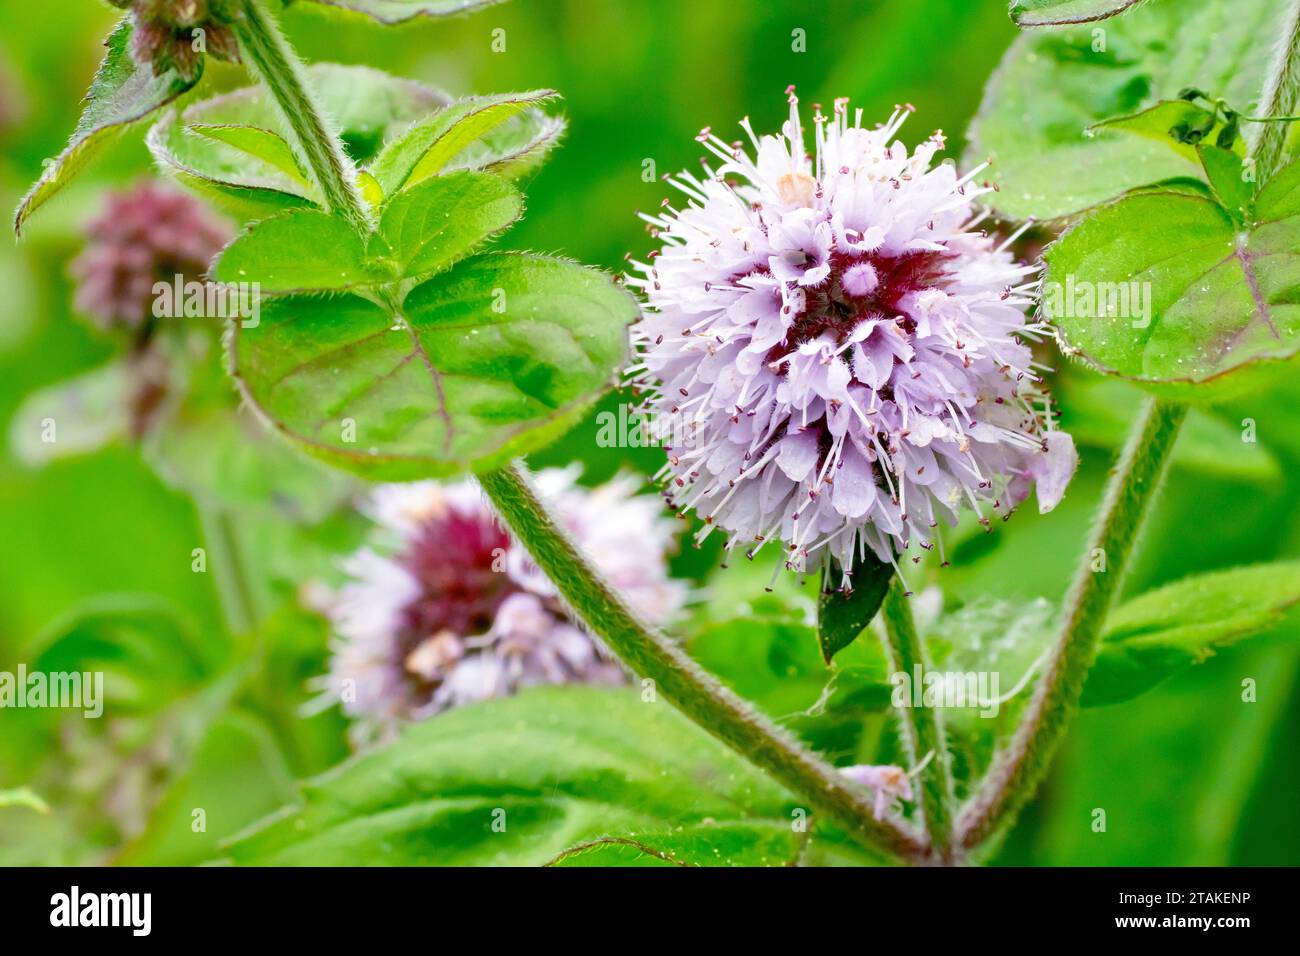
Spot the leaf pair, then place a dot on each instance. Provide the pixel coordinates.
(422, 231)
(481, 364)
(235, 148)
(1184, 283)
(264, 177)
(427, 360)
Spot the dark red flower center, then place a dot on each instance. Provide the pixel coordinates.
(863, 286)
(457, 560)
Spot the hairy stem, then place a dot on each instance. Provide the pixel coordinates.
(1018, 770)
(923, 736)
(1281, 97)
(267, 53)
(686, 685)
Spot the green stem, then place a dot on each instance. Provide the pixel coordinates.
(1281, 97)
(238, 604)
(923, 736)
(267, 53)
(1018, 770)
(694, 691)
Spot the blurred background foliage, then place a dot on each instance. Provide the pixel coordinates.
(1186, 773)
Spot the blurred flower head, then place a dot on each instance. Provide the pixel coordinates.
(146, 234)
(890, 784)
(174, 34)
(833, 353)
(445, 608)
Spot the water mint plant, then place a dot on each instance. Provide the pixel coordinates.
(845, 355)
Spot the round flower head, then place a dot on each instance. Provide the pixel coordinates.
(449, 609)
(833, 354)
(145, 235)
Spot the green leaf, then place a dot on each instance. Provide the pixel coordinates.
(990, 652)
(442, 140)
(246, 170)
(729, 843)
(236, 776)
(223, 458)
(243, 203)
(486, 362)
(1207, 303)
(1152, 637)
(514, 148)
(774, 660)
(260, 144)
(996, 637)
(422, 231)
(442, 220)
(148, 651)
(244, 185)
(1039, 13)
(86, 413)
(553, 768)
(122, 92)
(399, 11)
(841, 616)
(302, 250)
(1228, 175)
(1056, 83)
(1178, 124)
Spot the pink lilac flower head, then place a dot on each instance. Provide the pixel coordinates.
(148, 234)
(445, 608)
(833, 353)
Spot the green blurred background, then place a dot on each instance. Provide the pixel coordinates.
(1187, 773)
